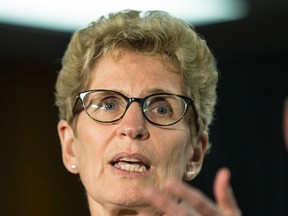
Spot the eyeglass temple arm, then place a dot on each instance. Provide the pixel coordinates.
(77, 106)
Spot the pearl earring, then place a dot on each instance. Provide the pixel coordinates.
(74, 167)
(190, 173)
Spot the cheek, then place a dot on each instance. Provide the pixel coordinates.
(90, 144)
(91, 148)
(177, 154)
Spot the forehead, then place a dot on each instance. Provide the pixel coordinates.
(133, 71)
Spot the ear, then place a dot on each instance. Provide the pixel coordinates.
(195, 164)
(67, 138)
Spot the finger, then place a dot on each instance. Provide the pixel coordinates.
(166, 204)
(285, 122)
(224, 195)
(193, 197)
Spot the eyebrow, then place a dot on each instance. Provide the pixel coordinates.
(147, 92)
(158, 90)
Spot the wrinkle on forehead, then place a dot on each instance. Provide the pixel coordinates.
(170, 64)
(136, 75)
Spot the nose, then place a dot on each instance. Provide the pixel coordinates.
(132, 124)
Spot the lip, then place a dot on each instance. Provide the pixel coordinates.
(140, 157)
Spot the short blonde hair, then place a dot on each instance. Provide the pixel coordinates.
(153, 33)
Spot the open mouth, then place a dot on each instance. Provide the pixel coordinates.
(131, 164)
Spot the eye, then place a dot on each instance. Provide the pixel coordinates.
(109, 104)
(160, 107)
(161, 110)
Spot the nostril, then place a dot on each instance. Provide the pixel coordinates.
(139, 136)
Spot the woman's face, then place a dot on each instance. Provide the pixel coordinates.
(104, 153)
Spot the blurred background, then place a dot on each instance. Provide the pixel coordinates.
(252, 54)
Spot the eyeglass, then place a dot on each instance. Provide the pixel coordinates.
(107, 106)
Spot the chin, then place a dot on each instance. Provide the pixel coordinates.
(131, 195)
(124, 194)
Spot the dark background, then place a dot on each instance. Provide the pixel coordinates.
(246, 135)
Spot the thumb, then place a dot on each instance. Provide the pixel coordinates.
(224, 196)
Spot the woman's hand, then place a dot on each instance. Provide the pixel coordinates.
(194, 202)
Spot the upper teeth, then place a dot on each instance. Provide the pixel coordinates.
(130, 167)
(129, 159)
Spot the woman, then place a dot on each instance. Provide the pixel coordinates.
(136, 95)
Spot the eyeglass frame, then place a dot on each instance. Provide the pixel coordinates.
(188, 102)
